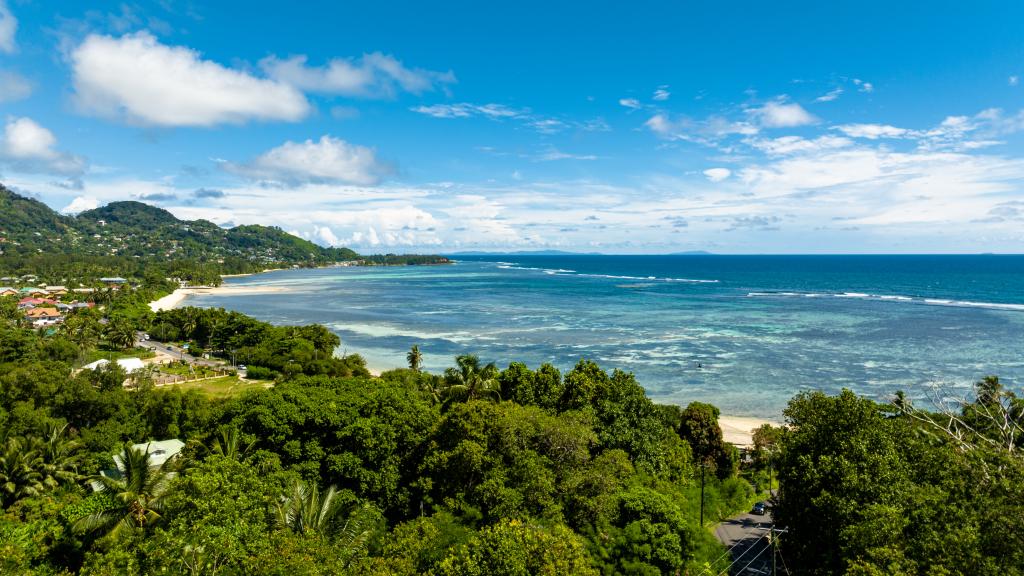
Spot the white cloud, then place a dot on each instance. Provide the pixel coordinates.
(555, 154)
(373, 75)
(872, 131)
(717, 174)
(327, 160)
(500, 112)
(831, 95)
(796, 145)
(632, 103)
(138, 78)
(863, 86)
(782, 115)
(662, 94)
(13, 87)
(1013, 80)
(80, 204)
(708, 132)
(466, 110)
(28, 147)
(8, 28)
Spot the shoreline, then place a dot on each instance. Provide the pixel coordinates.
(736, 430)
(176, 298)
(739, 430)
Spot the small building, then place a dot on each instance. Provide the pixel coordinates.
(160, 452)
(57, 290)
(114, 281)
(129, 365)
(8, 291)
(42, 314)
(34, 292)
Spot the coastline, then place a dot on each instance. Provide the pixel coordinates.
(175, 299)
(739, 430)
(736, 430)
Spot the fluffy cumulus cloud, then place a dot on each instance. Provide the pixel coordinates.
(374, 75)
(81, 204)
(717, 174)
(8, 28)
(28, 147)
(328, 160)
(782, 115)
(13, 87)
(137, 78)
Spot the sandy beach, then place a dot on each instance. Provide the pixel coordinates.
(739, 430)
(175, 299)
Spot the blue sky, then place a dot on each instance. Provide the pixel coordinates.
(795, 127)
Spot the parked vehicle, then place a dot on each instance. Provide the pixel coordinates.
(759, 508)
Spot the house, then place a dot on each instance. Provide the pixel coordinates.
(114, 281)
(34, 292)
(57, 290)
(160, 452)
(8, 291)
(129, 365)
(26, 303)
(43, 314)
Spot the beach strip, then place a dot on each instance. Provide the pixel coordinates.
(175, 299)
(739, 430)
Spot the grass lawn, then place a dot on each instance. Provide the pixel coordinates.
(223, 387)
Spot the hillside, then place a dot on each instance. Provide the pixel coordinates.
(140, 231)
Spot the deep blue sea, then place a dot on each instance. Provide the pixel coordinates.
(742, 332)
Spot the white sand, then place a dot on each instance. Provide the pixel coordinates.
(739, 430)
(174, 299)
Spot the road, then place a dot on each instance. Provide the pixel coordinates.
(178, 352)
(746, 535)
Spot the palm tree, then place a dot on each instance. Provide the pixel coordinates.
(470, 381)
(82, 329)
(60, 458)
(415, 358)
(230, 444)
(19, 471)
(139, 492)
(189, 323)
(121, 334)
(307, 510)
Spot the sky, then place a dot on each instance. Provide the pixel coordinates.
(642, 127)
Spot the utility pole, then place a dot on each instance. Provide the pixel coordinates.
(703, 467)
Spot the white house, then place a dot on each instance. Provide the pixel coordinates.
(129, 365)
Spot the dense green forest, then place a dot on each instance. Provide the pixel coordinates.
(478, 470)
(332, 471)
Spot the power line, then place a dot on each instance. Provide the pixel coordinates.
(726, 553)
(763, 550)
(740, 557)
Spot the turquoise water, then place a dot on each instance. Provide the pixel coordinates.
(742, 332)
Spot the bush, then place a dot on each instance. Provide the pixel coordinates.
(260, 373)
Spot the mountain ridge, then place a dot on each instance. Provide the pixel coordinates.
(139, 230)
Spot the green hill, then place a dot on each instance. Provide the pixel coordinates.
(143, 232)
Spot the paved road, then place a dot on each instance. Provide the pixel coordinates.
(179, 353)
(746, 535)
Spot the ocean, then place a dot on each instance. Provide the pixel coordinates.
(745, 333)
